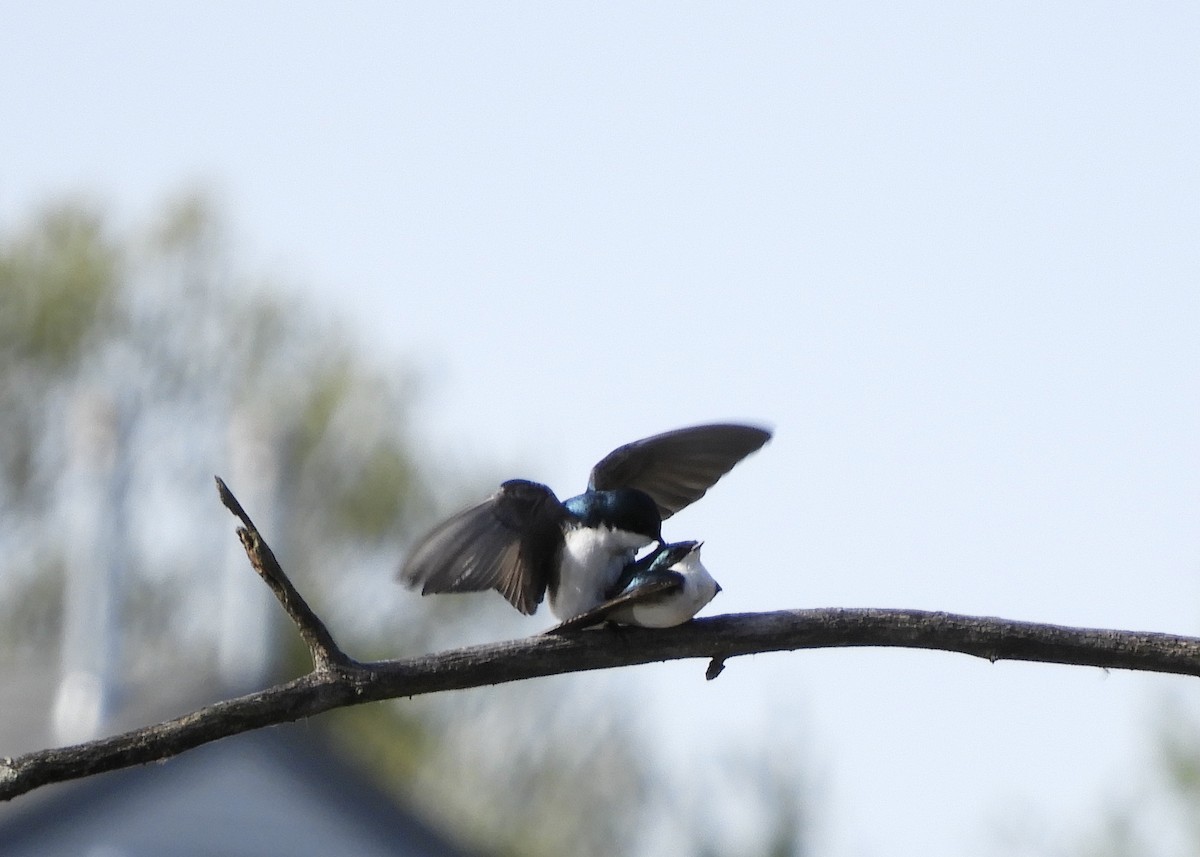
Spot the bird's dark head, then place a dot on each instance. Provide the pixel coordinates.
(625, 509)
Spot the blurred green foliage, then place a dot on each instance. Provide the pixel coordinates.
(58, 282)
(1152, 808)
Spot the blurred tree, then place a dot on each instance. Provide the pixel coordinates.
(1152, 811)
(204, 368)
(56, 283)
(1159, 817)
(1179, 763)
(153, 354)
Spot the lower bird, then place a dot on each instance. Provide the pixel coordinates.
(665, 588)
(524, 542)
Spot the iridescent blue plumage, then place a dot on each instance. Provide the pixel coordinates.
(622, 509)
(653, 567)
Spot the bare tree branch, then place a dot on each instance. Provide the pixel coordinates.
(338, 680)
(325, 652)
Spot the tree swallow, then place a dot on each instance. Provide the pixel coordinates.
(662, 589)
(523, 541)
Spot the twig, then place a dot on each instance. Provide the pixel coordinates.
(326, 654)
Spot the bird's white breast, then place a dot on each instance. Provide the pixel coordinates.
(592, 560)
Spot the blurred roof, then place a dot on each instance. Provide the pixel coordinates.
(280, 791)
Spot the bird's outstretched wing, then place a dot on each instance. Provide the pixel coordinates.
(676, 468)
(510, 542)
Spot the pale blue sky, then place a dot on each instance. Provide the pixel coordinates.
(949, 250)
